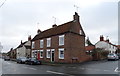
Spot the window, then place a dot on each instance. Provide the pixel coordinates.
(33, 45)
(41, 53)
(41, 43)
(61, 53)
(61, 40)
(48, 53)
(80, 32)
(48, 42)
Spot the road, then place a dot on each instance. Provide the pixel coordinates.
(93, 67)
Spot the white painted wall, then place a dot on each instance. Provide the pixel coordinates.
(21, 52)
(106, 46)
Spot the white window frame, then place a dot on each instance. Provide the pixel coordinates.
(48, 42)
(33, 45)
(80, 32)
(41, 43)
(61, 42)
(48, 56)
(61, 49)
(40, 53)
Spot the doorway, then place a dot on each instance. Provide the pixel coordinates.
(52, 55)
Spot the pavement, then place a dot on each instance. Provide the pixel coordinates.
(92, 67)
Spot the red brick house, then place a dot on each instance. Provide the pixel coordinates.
(64, 43)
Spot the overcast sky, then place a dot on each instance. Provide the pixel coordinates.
(20, 18)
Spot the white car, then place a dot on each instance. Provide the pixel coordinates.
(113, 56)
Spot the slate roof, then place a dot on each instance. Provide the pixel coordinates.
(64, 28)
(21, 44)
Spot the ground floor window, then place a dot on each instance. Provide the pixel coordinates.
(34, 52)
(61, 53)
(48, 53)
(41, 53)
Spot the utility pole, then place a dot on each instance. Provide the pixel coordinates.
(2, 4)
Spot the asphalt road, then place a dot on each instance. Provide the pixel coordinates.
(93, 67)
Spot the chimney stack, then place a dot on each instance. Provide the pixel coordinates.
(76, 17)
(107, 40)
(54, 25)
(21, 41)
(101, 38)
(38, 31)
(29, 38)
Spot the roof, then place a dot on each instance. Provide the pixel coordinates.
(89, 47)
(107, 42)
(64, 28)
(60, 29)
(118, 46)
(21, 44)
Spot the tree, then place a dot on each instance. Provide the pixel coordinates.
(88, 42)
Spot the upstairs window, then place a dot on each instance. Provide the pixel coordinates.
(61, 40)
(80, 32)
(33, 45)
(48, 42)
(41, 43)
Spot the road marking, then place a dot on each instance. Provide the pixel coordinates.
(94, 69)
(72, 67)
(116, 70)
(58, 73)
(8, 63)
(82, 68)
(25, 67)
(33, 68)
(106, 70)
(30, 68)
(55, 72)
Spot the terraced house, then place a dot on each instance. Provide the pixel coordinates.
(62, 43)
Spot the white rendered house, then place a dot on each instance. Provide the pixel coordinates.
(106, 45)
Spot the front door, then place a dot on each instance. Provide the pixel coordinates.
(52, 55)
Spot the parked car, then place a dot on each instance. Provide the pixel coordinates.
(32, 61)
(118, 55)
(7, 58)
(21, 60)
(113, 56)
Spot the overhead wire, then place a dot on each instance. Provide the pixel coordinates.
(2, 4)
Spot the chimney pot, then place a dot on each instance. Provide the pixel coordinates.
(38, 31)
(54, 25)
(21, 41)
(107, 40)
(76, 16)
(101, 38)
(29, 38)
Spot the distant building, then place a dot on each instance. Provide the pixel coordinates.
(24, 49)
(89, 49)
(13, 54)
(64, 43)
(1, 47)
(106, 45)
